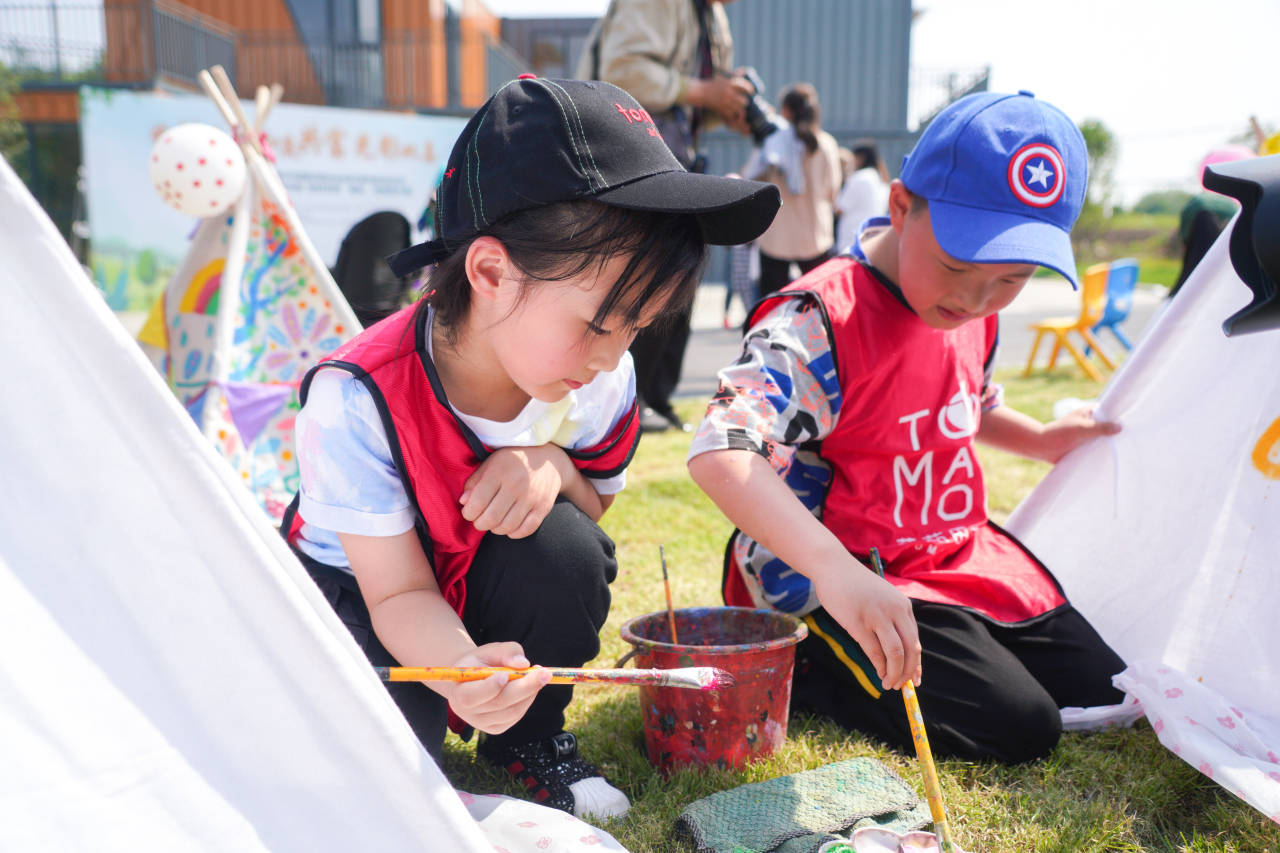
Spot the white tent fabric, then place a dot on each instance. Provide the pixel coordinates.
(1167, 535)
(170, 678)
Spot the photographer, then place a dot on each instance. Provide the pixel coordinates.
(675, 57)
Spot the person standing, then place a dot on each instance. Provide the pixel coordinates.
(803, 161)
(676, 58)
(865, 193)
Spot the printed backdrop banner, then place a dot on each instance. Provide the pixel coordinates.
(338, 165)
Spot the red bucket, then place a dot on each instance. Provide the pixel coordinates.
(724, 728)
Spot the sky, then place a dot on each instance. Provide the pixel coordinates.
(1171, 79)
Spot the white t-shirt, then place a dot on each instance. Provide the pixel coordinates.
(349, 482)
(863, 196)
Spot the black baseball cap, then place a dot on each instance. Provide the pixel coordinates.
(539, 141)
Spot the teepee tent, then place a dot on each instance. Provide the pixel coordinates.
(170, 677)
(1167, 535)
(250, 308)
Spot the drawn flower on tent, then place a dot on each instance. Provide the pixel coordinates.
(275, 232)
(303, 337)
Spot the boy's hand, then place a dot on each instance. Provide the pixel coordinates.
(879, 619)
(513, 490)
(1064, 435)
(498, 702)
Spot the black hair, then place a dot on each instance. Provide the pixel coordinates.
(556, 242)
(868, 156)
(801, 101)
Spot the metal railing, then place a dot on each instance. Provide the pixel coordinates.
(144, 41)
(186, 43)
(932, 89)
(53, 41)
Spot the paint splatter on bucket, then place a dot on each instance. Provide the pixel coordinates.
(729, 727)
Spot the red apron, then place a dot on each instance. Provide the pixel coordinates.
(905, 477)
(433, 450)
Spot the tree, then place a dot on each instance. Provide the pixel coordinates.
(13, 136)
(1102, 148)
(1163, 201)
(145, 267)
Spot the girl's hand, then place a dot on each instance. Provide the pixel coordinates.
(497, 703)
(1060, 437)
(513, 490)
(879, 619)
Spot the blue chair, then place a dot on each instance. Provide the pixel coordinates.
(1121, 279)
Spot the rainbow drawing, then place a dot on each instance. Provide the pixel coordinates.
(201, 295)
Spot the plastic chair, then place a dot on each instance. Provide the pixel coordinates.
(1121, 279)
(1093, 301)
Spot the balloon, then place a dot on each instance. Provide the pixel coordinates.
(1223, 154)
(197, 169)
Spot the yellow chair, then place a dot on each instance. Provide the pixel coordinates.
(1093, 302)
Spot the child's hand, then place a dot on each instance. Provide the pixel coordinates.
(496, 704)
(513, 490)
(879, 619)
(1060, 437)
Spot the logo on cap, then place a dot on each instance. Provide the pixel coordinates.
(1037, 175)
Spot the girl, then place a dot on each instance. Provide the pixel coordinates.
(456, 457)
(865, 193)
(803, 160)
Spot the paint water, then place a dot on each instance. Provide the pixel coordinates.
(724, 728)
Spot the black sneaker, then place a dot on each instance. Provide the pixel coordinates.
(651, 421)
(554, 775)
(668, 414)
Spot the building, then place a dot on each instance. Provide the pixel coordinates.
(422, 55)
(430, 55)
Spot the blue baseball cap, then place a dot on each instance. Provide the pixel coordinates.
(1005, 177)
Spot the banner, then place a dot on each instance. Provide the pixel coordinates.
(338, 165)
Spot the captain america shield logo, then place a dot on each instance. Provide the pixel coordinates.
(1036, 174)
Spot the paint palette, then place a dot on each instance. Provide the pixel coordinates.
(874, 839)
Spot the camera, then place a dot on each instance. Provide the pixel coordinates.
(761, 120)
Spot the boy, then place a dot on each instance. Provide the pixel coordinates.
(848, 423)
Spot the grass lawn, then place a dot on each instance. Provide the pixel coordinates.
(1110, 791)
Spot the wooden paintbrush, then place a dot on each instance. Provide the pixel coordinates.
(666, 585)
(932, 787)
(694, 677)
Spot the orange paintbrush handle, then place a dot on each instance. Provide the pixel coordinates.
(932, 787)
(698, 677)
(452, 673)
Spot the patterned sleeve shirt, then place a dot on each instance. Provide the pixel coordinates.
(780, 399)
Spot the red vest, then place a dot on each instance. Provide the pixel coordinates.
(433, 450)
(905, 477)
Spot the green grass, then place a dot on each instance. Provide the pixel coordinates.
(1148, 237)
(1109, 791)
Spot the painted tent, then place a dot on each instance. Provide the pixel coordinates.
(1167, 535)
(250, 308)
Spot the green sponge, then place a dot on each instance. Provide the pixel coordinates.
(799, 812)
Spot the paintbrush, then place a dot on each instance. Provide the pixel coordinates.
(693, 677)
(932, 787)
(666, 585)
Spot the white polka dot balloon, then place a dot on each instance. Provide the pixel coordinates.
(197, 169)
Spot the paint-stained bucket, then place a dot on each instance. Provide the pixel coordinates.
(724, 728)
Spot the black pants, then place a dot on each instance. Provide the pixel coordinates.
(549, 592)
(987, 691)
(659, 356)
(775, 273)
(1204, 231)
